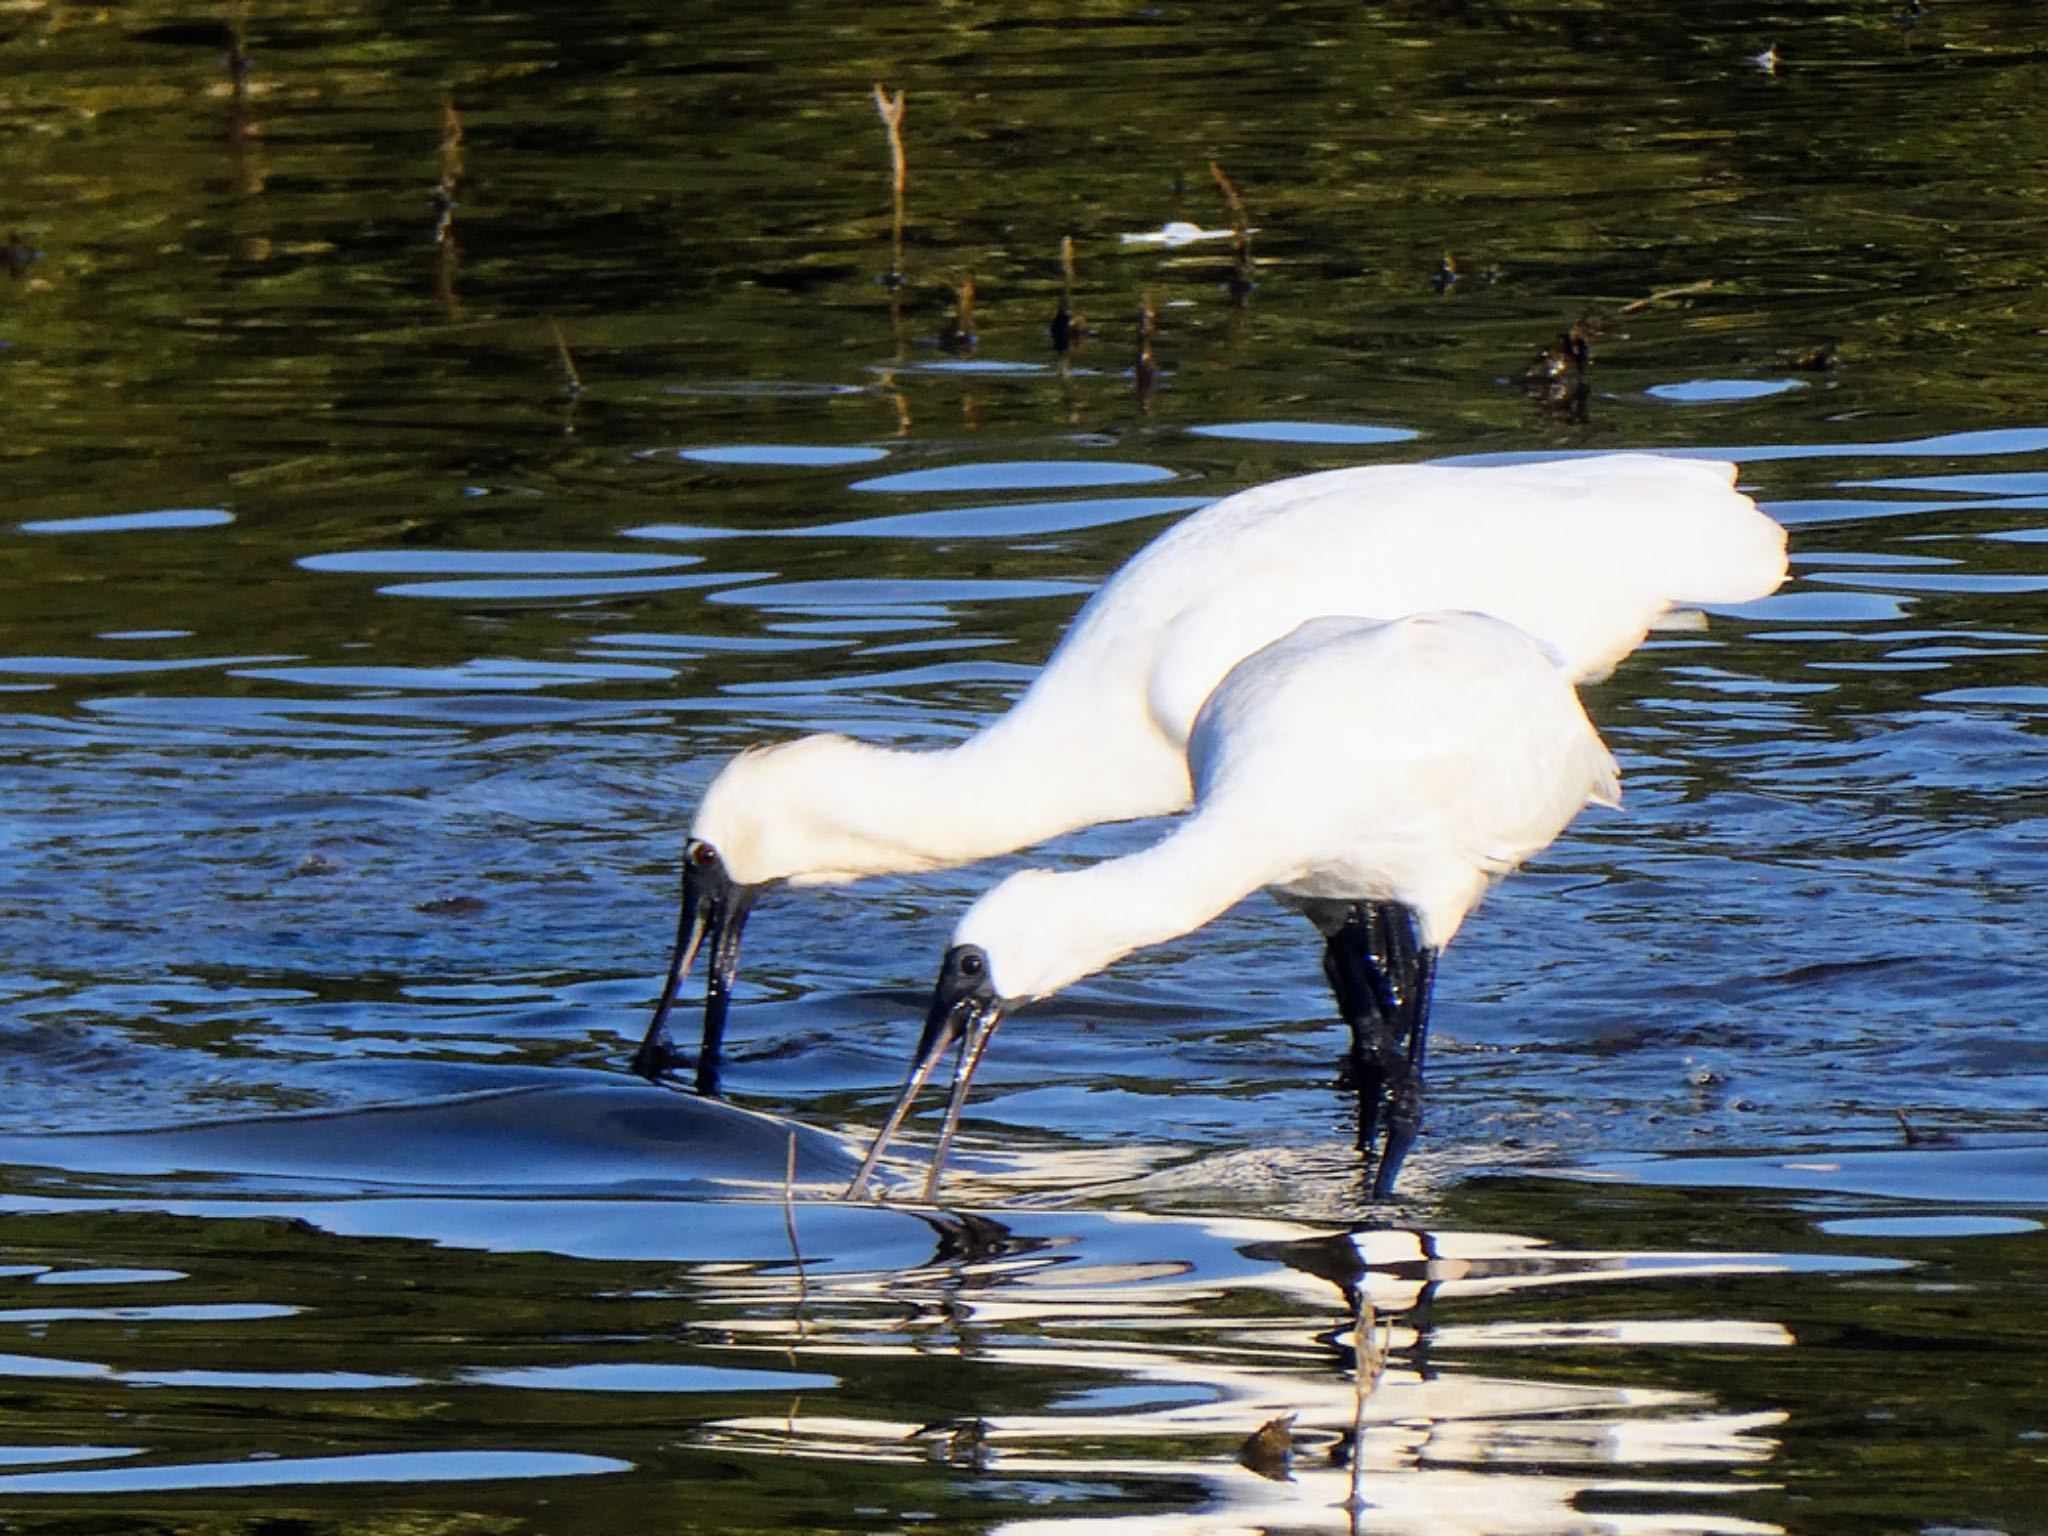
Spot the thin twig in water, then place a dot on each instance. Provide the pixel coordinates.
(1239, 225)
(444, 200)
(574, 380)
(789, 1226)
(451, 165)
(1067, 327)
(958, 335)
(1241, 233)
(890, 109)
(1146, 371)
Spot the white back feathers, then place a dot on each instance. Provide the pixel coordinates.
(1412, 761)
(1582, 554)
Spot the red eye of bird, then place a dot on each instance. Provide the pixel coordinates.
(703, 855)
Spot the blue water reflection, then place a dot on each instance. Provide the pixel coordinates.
(370, 638)
(132, 522)
(1016, 475)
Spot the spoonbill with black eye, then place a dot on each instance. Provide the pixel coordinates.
(1583, 554)
(1377, 776)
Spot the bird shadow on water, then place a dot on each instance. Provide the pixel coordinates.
(1119, 1368)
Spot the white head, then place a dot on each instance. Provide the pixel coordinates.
(773, 815)
(803, 812)
(1041, 931)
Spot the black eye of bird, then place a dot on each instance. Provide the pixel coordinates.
(971, 964)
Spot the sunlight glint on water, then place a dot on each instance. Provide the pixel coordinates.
(434, 445)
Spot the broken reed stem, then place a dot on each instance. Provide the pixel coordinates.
(958, 333)
(890, 109)
(1239, 224)
(1241, 283)
(1067, 327)
(569, 373)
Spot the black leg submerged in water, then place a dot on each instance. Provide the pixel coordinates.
(714, 908)
(1404, 1100)
(1381, 975)
(1355, 962)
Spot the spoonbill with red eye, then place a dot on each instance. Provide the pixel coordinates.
(1376, 776)
(1583, 554)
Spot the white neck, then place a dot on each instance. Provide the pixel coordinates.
(1044, 930)
(825, 808)
(929, 809)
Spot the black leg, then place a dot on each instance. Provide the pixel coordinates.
(1404, 1104)
(1357, 959)
(1371, 963)
(1381, 975)
(656, 1056)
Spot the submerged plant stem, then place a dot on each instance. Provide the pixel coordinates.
(573, 379)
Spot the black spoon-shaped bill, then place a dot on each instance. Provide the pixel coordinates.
(714, 913)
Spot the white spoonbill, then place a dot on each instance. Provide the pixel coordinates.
(1583, 554)
(1376, 776)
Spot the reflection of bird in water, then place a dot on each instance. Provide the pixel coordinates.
(1375, 775)
(1188, 1334)
(1583, 554)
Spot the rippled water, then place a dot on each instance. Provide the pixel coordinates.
(360, 671)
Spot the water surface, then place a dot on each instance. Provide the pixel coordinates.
(437, 440)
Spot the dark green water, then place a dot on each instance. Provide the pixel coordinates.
(358, 675)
